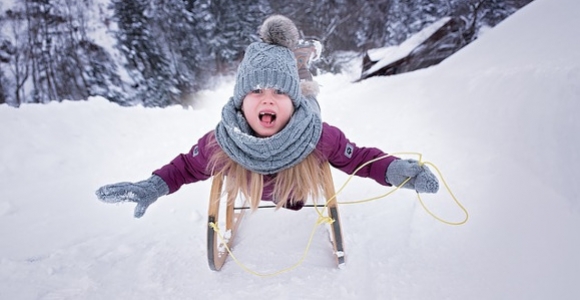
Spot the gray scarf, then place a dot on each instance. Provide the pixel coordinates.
(272, 154)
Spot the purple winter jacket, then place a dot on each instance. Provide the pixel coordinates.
(333, 146)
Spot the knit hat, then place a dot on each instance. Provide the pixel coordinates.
(270, 63)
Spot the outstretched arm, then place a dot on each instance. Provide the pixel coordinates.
(188, 167)
(391, 170)
(185, 168)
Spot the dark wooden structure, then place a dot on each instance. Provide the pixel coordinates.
(442, 43)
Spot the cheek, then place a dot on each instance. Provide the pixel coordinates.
(244, 104)
(246, 107)
(248, 114)
(288, 112)
(289, 107)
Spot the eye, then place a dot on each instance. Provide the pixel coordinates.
(280, 92)
(256, 91)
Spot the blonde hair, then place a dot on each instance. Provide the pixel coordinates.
(298, 183)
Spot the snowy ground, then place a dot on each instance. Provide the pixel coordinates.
(499, 118)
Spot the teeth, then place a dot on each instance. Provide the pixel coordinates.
(271, 114)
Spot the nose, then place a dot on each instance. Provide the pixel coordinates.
(268, 97)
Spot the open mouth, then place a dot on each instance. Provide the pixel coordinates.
(267, 117)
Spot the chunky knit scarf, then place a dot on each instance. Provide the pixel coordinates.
(272, 154)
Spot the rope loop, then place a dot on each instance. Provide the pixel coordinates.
(421, 163)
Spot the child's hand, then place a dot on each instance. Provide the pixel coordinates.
(144, 193)
(422, 180)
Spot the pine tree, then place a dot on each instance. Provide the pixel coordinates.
(154, 84)
(234, 25)
(182, 38)
(16, 57)
(100, 73)
(5, 55)
(42, 23)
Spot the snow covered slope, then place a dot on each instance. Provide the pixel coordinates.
(498, 118)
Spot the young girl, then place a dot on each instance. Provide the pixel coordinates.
(271, 142)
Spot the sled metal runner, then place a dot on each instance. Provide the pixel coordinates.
(216, 251)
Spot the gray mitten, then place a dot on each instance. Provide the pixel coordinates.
(422, 180)
(144, 193)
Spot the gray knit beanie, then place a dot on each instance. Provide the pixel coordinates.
(270, 63)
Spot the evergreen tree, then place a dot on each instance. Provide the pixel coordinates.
(148, 65)
(101, 73)
(4, 59)
(16, 57)
(53, 54)
(42, 26)
(86, 67)
(182, 38)
(234, 25)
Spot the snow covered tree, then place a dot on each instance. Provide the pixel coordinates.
(234, 25)
(18, 54)
(50, 41)
(84, 68)
(182, 28)
(149, 67)
(42, 23)
(170, 48)
(4, 59)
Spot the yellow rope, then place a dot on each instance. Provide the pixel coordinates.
(420, 156)
(452, 196)
(325, 219)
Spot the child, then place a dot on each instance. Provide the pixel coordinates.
(271, 142)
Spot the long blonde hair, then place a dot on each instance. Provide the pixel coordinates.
(298, 183)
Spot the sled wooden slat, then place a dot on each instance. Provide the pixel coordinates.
(332, 206)
(216, 252)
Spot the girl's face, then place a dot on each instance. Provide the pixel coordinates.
(267, 111)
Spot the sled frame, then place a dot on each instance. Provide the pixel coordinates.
(216, 251)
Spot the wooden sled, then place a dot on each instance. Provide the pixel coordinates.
(216, 251)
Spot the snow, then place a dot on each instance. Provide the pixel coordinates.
(498, 118)
(388, 55)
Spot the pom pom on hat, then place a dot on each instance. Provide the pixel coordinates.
(279, 30)
(271, 62)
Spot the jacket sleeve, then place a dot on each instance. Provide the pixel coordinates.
(347, 156)
(188, 167)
